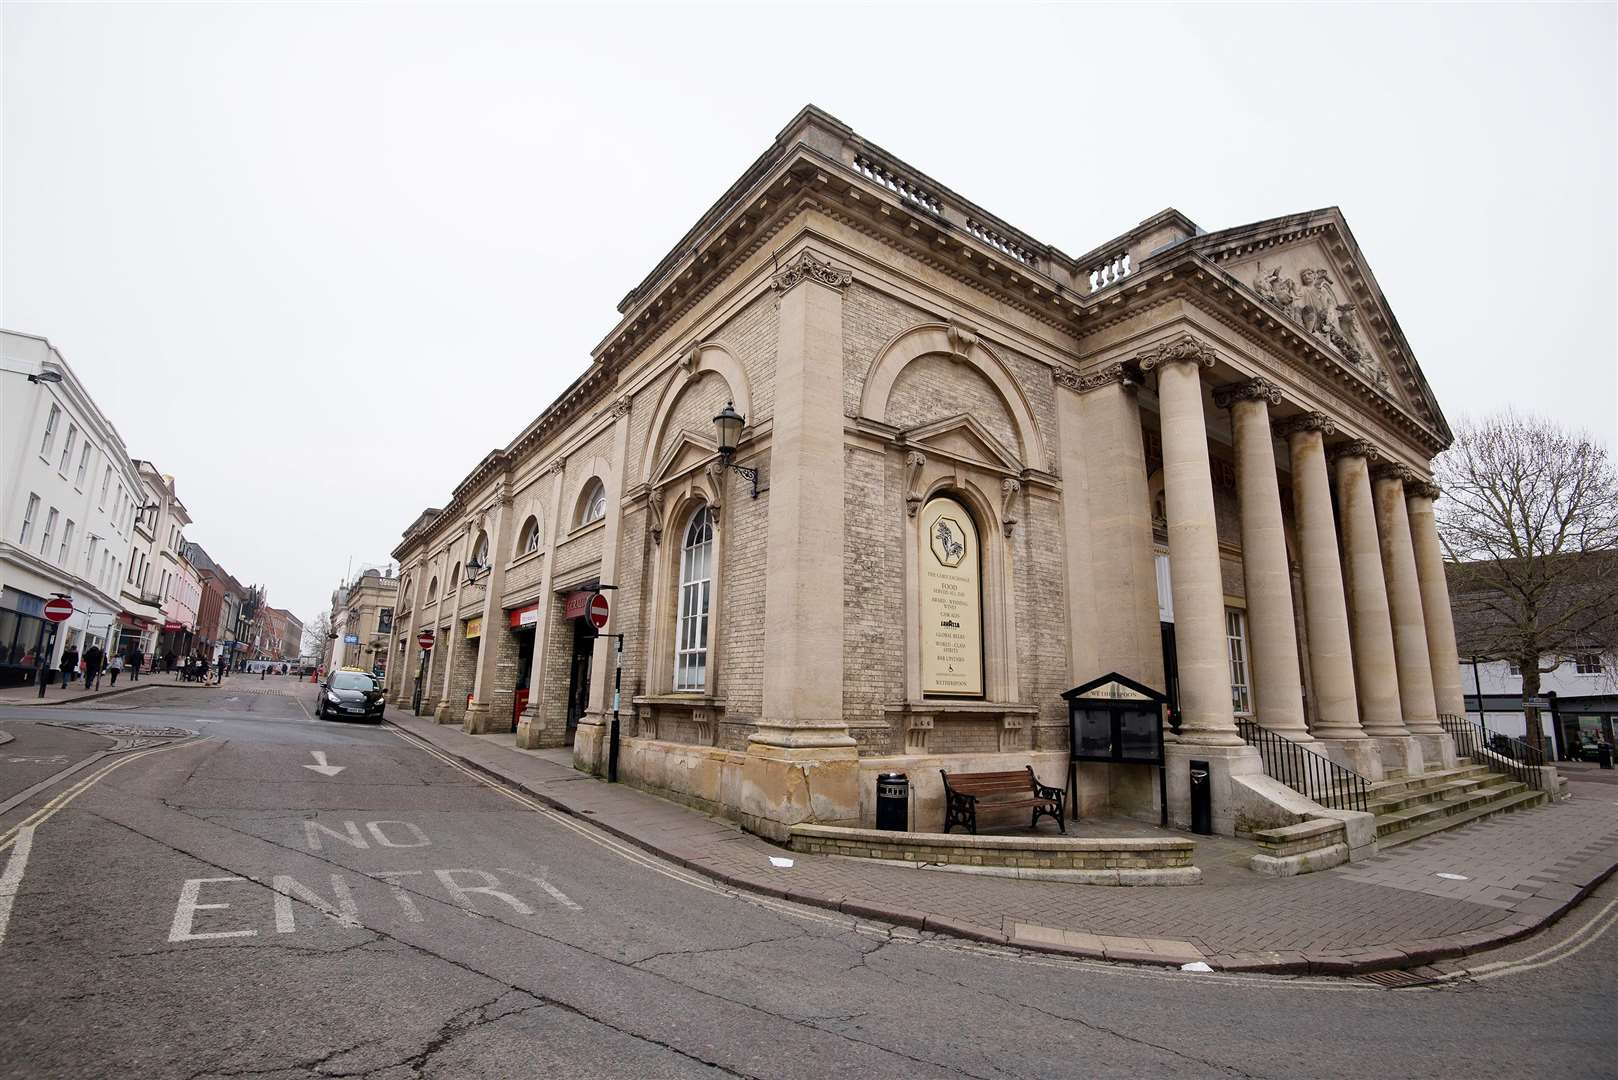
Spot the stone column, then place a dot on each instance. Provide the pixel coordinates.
(1417, 703)
(590, 737)
(1107, 526)
(1376, 672)
(1331, 658)
(531, 731)
(1441, 650)
(479, 718)
(1199, 604)
(801, 763)
(1277, 683)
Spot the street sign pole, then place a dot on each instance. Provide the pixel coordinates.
(617, 688)
(57, 610)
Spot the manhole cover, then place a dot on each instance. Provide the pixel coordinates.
(1396, 980)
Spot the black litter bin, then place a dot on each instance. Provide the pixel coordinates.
(1201, 799)
(893, 802)
(1604, 755)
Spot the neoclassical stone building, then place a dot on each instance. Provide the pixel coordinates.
(986, 471)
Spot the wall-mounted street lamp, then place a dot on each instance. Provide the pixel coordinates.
(729, 425)
(46, 376)
(474, 566)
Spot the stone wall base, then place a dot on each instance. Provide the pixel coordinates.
(782, 786)
(1401, 756)
(1437, 751)
(590, 746)
(534, 734)
(1356, 755)
(481, 719)
(1112, 861)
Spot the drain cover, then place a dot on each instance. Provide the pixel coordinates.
(1396, 980)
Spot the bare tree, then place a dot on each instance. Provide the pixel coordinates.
(1530, 523)
(315, 633)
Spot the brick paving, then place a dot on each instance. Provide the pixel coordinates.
(1522, 869)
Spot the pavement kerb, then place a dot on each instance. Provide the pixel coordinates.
(70, 697)
(1352, 962)
(5, 737)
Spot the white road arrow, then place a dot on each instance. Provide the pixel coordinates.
(320, 765)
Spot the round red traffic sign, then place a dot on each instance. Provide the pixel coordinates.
(425, 639)
(59, 610)
(597, 611)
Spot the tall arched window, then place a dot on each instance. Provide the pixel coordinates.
(432, 590)
(454, 579)
(592, 503)
(696, 579)
(528, 538)
(480, 550)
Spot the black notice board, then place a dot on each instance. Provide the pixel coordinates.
(1116, 720)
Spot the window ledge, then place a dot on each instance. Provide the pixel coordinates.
(584, 530)
(951, 706)
(692, 700)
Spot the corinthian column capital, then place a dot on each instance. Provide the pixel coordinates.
(1309, 421)
(1255, 389)
(1395, 470)
(1423, 489)
(1359, 448)
(1184, 349)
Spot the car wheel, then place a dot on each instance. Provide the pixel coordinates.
(320, 710)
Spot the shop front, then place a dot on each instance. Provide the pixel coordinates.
(521, 623)
(24, 634)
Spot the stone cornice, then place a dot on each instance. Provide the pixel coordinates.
(1255, 389)
(1184, 349)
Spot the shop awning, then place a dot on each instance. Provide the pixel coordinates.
(524, 617)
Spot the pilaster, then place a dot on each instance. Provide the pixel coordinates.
(480, 718)
(801, 763)
(531, 733)
(590, 737)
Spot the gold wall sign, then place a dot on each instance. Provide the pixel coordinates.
(951, 602)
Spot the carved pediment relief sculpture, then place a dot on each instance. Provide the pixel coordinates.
(1311, 300)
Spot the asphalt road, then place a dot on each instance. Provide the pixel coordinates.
(217, 908)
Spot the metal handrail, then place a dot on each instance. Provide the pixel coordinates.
(1496, 752)
(1304, 771)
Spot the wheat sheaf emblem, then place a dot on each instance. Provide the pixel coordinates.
(951, 545)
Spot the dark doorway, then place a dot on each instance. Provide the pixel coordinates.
(578, 682)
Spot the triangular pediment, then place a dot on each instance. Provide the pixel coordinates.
(686, 453)
(1309, 269)
(964, 439)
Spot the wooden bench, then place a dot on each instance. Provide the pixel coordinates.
(998, 791)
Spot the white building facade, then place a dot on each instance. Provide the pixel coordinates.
(1583, 689)
(178, 588)
(69, 496)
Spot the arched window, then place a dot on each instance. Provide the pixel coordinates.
(432, 590)
(592, 503)
(696, 580)
(454, 578)
(951, 601)
(528, 538)
(480, 550)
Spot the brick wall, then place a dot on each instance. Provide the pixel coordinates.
(873, 587)
(935, 387)
(699, 402)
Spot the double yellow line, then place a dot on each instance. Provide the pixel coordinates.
(44, 813)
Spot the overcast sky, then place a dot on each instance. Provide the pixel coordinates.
(316, 261)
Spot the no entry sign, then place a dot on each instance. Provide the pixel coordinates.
(598, 610)
(425, 639)
(59, 610)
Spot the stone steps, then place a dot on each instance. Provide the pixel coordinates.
(1392, 801)
(1411, 809)
(1409, 831)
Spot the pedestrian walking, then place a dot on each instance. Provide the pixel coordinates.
(93, 657)
(114, 667)
(70, 664)
(223, 664)
(135, 658)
